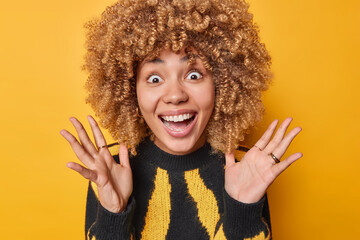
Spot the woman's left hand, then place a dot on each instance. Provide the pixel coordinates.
(248, 180)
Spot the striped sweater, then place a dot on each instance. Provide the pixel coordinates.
(178, 197)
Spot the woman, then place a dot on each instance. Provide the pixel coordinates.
(179, 83)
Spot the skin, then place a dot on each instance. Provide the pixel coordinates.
(168, 86)
(113, 181)
(246, 181)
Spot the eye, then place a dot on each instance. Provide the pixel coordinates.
(194, 75)
(154, 79)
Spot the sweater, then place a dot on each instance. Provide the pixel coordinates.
(177, 197)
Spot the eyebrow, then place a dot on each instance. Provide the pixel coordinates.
(159, 60)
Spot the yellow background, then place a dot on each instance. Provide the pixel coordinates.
(315, 51)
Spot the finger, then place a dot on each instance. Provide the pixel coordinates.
(98, 136)
(80, 152)
(265, 138)
(278, 136)
(86, 173)
(230, 159)
(285, 143)
(124, 155)
(281, 166)
(83, 136)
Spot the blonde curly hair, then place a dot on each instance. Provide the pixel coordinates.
(225, 38)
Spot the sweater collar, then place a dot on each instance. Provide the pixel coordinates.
(148, 151)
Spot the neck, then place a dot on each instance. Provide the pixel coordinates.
(152, 153)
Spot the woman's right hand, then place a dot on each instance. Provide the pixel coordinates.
(113, 181)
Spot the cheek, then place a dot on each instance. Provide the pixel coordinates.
(206, 99)
(146, 101)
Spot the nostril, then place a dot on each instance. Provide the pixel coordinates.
(176, 97)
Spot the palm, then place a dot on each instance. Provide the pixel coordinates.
(114, 181)
(248, 180)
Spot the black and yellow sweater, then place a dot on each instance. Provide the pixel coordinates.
(178, 197)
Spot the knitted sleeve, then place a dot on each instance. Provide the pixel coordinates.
(246, 221)
(101, 224)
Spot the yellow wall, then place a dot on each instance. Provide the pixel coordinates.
(315, 50)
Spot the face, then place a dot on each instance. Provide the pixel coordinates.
(176, 100)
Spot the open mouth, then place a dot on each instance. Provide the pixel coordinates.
(178, 123)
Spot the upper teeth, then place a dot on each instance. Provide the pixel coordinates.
(178, 118)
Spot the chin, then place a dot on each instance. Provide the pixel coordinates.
(180, 146)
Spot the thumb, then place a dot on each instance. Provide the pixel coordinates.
(230, 159)
(124, 155)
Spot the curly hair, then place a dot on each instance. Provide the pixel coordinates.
(225, 38)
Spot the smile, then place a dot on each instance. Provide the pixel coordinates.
(178, 118)
(179, 125)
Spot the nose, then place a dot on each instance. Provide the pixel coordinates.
(175, 93)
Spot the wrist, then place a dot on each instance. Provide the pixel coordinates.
(113, 208)
(245, 196)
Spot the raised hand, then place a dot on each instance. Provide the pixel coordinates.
(248, 180)
(114, 181)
